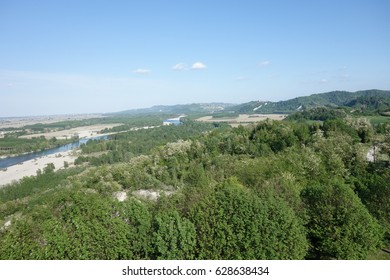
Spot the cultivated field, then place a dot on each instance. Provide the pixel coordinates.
(243, 119)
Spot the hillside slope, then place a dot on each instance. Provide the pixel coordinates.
(363, 100)
(180, 109)
(372, 99)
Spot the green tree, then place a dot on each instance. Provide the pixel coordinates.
(363, 128)
(233, 223)
(174, 237)
(377, 198)
(339, 226)
(339, 126)
(196, 176)
(274, 134)
(49, 168)
(78, 225)
(385, 146)
(20, 242)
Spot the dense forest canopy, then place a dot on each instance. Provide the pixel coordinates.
(302, 188)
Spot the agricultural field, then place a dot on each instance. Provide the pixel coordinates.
(242, 119)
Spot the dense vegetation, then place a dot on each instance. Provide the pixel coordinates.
(109, 119)
(11, 144)
(365, 101)
(125, 146)
(274, 190)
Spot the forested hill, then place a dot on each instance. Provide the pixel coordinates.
(180, 109)
(361, 100)
(364, 100)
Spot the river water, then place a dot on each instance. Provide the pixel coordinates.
(7, 162)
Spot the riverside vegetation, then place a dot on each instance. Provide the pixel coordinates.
(295, 189)
(13, 144)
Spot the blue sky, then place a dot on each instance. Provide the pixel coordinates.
(102, 56)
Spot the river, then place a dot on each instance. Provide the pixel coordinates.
(10, 161)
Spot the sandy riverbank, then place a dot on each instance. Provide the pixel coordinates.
(30, 167)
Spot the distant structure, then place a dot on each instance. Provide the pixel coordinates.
(174, 121)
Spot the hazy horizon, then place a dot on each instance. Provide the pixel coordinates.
(173, 104)
(78, 57)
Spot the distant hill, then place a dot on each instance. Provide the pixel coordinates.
(362, 101)
(181, 109)
(359, 100)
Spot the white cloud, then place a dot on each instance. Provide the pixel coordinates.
(179, 67)
(323, 81)
(142, 71)
(241, 78)
(265, 63)
(198, 66)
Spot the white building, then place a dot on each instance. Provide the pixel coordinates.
(174, 121)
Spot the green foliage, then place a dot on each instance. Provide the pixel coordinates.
(337, 153)
(174, 237)
(23, 145)
(83, 226)
(382, 124)
(125, 146)
(274, 190)
(385, 145)
(370, 103)
(363, 128)
(49, 168)
(273, 135)
(35, 184)
(22, 242)
(369, 100)
(128, 121)
(233, 223)
(317, 114)
(339, 226)
(339, 126)
(196, 177)
(376, 196)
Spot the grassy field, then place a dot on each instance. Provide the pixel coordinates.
(375, 120)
